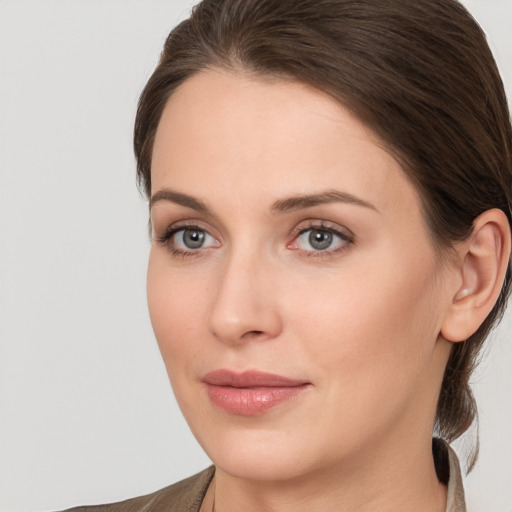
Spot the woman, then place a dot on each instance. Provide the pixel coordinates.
(329, 185)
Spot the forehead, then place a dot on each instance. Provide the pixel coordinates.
(267, 137)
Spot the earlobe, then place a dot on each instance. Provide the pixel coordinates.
(484, 258)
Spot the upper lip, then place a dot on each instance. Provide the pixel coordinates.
(249, 378)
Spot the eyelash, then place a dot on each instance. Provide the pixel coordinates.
(167, 235)
(347, 239)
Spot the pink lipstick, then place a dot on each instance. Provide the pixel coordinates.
(251, 392)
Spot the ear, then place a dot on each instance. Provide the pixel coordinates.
(484, 258)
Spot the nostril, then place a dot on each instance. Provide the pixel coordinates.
(252, 334)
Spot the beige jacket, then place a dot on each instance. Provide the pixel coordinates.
(187, 495)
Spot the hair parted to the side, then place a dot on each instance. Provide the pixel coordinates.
(420, 74)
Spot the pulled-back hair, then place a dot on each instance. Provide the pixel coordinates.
(418, 73)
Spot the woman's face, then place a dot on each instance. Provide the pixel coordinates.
(287, 241)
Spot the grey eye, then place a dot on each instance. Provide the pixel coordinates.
(320, 239)
(193, 238)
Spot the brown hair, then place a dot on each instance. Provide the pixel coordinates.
(420, 74)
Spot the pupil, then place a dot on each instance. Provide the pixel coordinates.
(320, 240)
(193, 238)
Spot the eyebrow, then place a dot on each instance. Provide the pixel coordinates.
(307, 201)
(166, 194)
(280, 206)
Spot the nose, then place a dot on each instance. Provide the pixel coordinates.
(245, 305)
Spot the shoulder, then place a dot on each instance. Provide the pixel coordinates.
(184, 496)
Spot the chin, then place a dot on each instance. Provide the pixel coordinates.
(265, 465)
(262, 454)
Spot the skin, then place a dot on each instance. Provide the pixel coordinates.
(360, 321)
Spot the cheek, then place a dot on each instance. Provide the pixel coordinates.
(377, 329)
(370, 347)
(175, 305)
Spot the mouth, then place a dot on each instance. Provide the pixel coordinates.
(252, 392)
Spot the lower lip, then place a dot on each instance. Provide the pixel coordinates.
(251, 401)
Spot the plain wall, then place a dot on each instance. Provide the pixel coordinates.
(87, 414)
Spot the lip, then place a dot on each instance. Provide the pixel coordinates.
(252, 392)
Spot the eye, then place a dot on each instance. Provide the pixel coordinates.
(321, 239)
(185, 240)
(190, 238)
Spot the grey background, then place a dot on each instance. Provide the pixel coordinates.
(86, 411)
